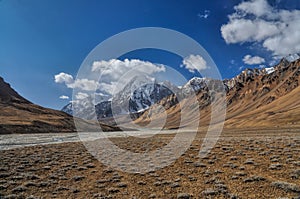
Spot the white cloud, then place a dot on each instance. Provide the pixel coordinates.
(83, 84)
(277, 30)
(81, 96)
(255, 7)
(115, 68)
(205, 14)
(64, 97)
(113, 72)
(248, 59)
(194, 63)
(63, 78)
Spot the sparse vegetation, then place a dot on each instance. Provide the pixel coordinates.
(239, 170)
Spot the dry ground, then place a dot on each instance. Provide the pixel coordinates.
(260, 163)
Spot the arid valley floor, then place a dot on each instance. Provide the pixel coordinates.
(258, 163)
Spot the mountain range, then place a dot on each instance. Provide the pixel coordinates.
(255, 97)
(267, 97)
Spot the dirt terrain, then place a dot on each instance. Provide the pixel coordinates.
(258, 163)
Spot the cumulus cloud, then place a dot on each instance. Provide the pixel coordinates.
(248, 59)
(257, 7)
(194, 63)
(113, 74)
(63, 78)
(115, 68)
(83, 84)
(277, 30)
(81, 96)
(64, 97)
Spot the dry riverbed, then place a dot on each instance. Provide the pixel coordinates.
(243, 164)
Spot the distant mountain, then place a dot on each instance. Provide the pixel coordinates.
(249, 91)
(132, 99)
(18, 115)
(268, 97)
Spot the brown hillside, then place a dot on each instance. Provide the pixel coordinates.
(18, 115)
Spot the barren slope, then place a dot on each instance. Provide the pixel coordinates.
(18, 115)
(255, 100)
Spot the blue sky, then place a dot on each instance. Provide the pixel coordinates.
(40, 39)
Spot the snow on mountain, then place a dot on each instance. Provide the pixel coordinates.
(147, 95)
(137, 95)
(292, 57)
(193, 85)
(141, 92)
(83, 108)
(270, 70)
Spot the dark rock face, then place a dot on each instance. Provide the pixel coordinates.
(146, 96)
(9, 95)
(142, 98)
